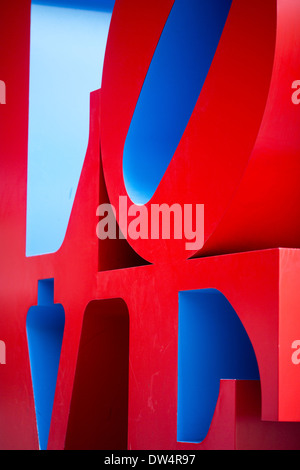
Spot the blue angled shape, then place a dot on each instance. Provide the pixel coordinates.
(95, 5)
(67, 46)
(212, 345)
(170, 92)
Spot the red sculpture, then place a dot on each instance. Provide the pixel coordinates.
(117, 381)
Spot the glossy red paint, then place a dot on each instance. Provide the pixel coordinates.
(260, 285)
(222, 132)
(244, 126)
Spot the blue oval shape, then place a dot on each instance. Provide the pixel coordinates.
(170, 92)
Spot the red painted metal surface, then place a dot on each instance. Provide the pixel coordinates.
(257, 180)
(243, 130)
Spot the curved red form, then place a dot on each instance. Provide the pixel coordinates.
(112, 347)
(263, 213)
(219, 140)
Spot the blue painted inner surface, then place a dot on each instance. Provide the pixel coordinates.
(45, 328)
(170, 92)
(66, 59)
(212, 345)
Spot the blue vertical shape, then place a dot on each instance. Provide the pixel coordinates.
(67, 45)
(45, 327)
(170, 92)
(212, 345)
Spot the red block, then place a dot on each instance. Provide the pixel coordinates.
(260, 285)
(252, 283)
